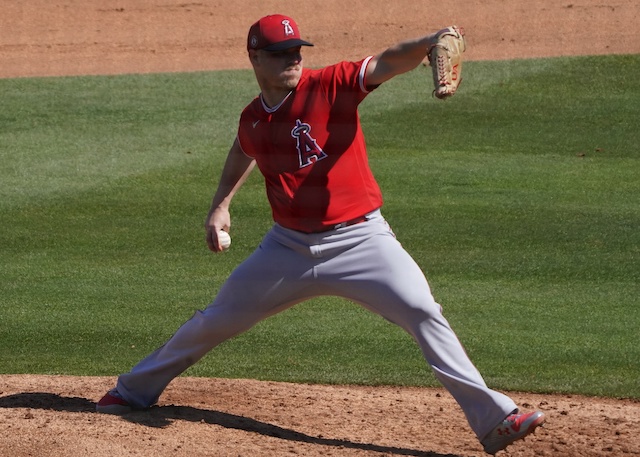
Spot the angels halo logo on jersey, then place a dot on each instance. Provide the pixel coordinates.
(308, 150)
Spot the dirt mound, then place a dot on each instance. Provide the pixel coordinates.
(45, 415)
(54, 415)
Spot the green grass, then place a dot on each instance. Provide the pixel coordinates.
(518, 197)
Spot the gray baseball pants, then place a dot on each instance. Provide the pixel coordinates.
(363, 263)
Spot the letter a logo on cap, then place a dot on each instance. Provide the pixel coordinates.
(288, 30)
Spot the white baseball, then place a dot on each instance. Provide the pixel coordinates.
(224, 239)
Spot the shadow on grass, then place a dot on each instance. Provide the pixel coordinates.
(163, 416)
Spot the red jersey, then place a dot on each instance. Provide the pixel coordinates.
(311, 149)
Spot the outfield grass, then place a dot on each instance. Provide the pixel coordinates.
(518, 197)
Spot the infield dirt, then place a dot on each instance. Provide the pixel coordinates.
(54, 415)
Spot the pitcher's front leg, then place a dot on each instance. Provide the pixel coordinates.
(391, 284)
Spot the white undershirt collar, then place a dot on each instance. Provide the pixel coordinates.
(275, 108)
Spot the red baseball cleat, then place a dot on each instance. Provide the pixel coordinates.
(512, 428)
(113, 403)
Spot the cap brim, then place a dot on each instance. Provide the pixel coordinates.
(288, 44)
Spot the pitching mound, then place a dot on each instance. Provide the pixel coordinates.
(55, 416)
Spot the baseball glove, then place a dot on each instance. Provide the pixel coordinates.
(445, 58)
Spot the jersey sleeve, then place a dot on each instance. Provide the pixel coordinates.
(344, 83)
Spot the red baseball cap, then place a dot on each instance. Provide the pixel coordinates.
(275, 33)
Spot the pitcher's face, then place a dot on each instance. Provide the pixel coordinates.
(277, 70)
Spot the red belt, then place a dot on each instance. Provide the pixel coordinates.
(344, 224)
